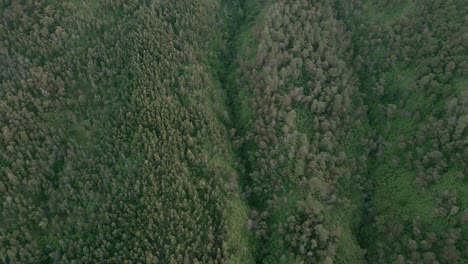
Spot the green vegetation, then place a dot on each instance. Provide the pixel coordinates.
(218, 131)
(411, 62)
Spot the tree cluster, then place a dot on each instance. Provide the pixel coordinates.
(106, 153)
(304, 134)
(411, 60)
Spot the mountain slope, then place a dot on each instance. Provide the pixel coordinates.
(106, 152)
(299, 113)
(221, 131)
(411, 59)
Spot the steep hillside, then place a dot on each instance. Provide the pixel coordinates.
(231, 131)
(412, 60)
(300, 127)
(107, 152)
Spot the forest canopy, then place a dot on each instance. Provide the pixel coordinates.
(231, 131)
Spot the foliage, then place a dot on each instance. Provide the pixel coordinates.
(218, 131)
(106, 151)
(412, 61)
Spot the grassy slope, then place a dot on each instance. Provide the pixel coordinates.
(241, 244)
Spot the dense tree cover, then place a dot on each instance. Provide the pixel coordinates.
(302, 135)
(412, 61)
(217, 131)
(112, 148)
